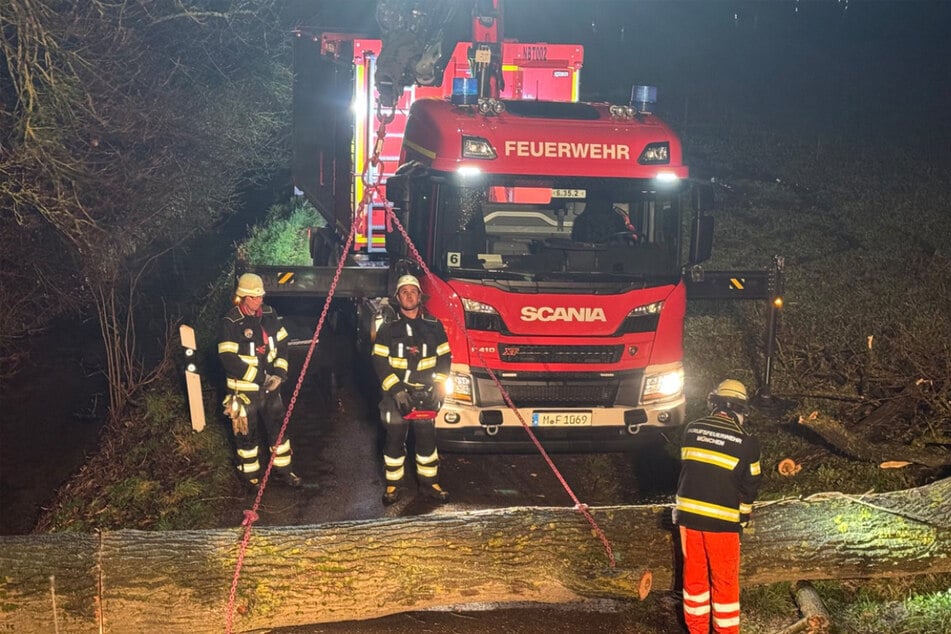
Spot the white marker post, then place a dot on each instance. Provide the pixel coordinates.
(196, 407)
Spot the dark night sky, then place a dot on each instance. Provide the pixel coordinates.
(890, 57)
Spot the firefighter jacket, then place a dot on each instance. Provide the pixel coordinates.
(719, 476)
(251, 347)
(411, 354)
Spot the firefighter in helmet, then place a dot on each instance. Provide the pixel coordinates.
(253, 351)
(719, 479)
(411, 358)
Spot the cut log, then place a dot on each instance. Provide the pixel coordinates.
(852, 445)
(135, 581)
(788, 467)
(813, 610)
(793, 464)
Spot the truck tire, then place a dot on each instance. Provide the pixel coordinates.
(321, 246)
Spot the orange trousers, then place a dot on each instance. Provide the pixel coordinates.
(711, 581)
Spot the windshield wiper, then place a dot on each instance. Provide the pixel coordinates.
(592, 275)
(494, 274)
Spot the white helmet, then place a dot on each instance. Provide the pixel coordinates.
(250, 285)
(409, 280)
(730, 394)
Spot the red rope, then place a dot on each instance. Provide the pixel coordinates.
(370, 188)
(582, 508)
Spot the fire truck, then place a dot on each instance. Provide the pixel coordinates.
(555, 231)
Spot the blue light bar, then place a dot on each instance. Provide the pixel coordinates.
(465, 91)
(643, 98)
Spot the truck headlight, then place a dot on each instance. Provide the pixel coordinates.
(647, 309)
(473, 306)
(663, 386)
(476, 147)
(641, 319)
(481, 316)
(459, 387)
(655, 154)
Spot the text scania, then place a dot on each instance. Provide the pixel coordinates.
(563, 149)
(547, 313)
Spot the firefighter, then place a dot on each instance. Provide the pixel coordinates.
(253, 351)
(719, 479)
(411, 358)
(600, 221)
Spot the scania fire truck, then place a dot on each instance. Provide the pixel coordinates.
(585, 337)
(499, 167)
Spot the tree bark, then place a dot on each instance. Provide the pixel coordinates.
(135, 581)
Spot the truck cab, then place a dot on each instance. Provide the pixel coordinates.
(553, 232)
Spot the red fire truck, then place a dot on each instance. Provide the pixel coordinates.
(337, 111)
(553, 229)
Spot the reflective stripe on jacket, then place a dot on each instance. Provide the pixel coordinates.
(719, 476)
(251, 346)
(411, 353)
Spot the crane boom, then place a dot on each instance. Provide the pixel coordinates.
(420, 35)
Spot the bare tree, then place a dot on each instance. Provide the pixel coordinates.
(127, 127)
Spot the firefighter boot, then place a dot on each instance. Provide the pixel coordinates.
(392, 494)
(289, 478)
(434, 492)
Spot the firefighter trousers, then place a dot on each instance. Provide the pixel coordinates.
(394, 451)
(711, 581)
(265, 410)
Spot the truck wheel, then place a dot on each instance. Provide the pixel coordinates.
(321, 246)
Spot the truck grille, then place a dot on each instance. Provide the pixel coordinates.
(560, 394)
(560, 354)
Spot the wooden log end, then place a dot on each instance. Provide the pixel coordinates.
(788, 467)
(644, 587)
(818, 623)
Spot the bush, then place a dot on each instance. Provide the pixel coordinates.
(284, 238)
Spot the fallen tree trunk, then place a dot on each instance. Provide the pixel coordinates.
(135, 581)
(855, 446)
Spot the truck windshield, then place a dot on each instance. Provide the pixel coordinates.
(551, 229)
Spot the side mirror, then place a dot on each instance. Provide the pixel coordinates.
(701, 197)
(701, 238)
(397, 189)
(394, 244)
(701, 232)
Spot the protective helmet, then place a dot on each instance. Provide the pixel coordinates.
(250, 285)
(729, 393)
(407, 280)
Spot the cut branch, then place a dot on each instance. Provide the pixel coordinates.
(855, 446)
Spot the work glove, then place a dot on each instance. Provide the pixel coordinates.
(428, 399)
(235, 409)
(404, 402)
(271, 383)
(746, 519)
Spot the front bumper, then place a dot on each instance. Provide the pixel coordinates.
(499, 430)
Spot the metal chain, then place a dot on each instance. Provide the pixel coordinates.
(251, 515)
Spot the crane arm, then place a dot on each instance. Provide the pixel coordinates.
(419, 37)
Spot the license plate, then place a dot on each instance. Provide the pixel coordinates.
(561, 419)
